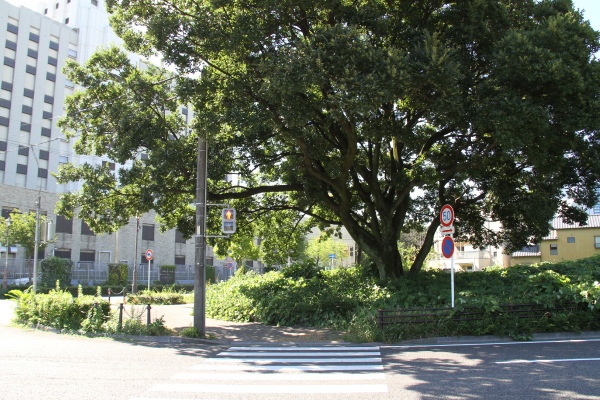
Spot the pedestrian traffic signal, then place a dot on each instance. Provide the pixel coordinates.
(228, 220)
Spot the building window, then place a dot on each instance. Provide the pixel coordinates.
(144, 261)
(62, 253)
(66, 21)
(179, 260)
(571, 239)
(72, 54)
(85, 229)
(7, 211)
(110, 165)
(63, 160)
(87, 256)
(597, 209)
(148, 232)
(209, 260)
(69, 84)
(57, 6)
(553, 249)
(63, 225)
(45, 11)
(95, 3)
(179, 237)
(596, 240)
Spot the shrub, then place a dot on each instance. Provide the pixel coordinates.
(117, 274)
(166, 296)
(56, 269)
(348, 299)
(59, 309)
(211, 274)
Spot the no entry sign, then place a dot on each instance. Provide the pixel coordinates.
(447, 247)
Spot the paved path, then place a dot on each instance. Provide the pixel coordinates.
(178, 317)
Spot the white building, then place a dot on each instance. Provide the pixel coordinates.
(32, 95)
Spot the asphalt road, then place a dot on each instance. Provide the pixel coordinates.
(44, 365)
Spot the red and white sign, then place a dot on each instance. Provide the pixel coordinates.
(149, 255)
(229, 265)
(447, 216)
(447, 247)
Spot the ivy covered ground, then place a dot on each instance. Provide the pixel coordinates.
(348, 299)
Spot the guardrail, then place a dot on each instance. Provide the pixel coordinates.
(469, 313)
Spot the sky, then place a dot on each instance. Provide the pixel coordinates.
(591, 7)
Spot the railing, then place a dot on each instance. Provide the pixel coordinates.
(94, 272)
(469, 313)
(471, 254)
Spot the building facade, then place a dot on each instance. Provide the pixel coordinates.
(33, 89)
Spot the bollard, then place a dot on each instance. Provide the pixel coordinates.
(124, 295)
(109, 295)
(121, 316)
(148, 321)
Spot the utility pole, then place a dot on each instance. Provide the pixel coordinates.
(38, 204)
(134, 280)
(200, 254)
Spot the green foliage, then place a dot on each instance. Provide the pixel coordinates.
(367, 114)
(166, 296)
(348, 300)
(60, 310)
(22, 231)
(117, 274)
(319, 249)
(56, 269)
(211, 274)
(168, 267)
(190, 332)
(305, 270)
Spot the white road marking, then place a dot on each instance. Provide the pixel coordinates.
(307, 354)
(547, 361)
(297, 360)
(288, 368)
(487, 344)
(340, 348)
(336, 376)
(199, 388)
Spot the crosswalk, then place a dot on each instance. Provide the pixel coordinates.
(281, 370)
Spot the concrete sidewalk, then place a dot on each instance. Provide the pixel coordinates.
(178, 317)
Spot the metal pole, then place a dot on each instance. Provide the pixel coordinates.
(5, 278)
(38, 204)
(200, 254)
(135, 258)
(452, 277)
(149, 274)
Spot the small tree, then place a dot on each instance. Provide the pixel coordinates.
(22, 232)
(321, 247)
(243, 248)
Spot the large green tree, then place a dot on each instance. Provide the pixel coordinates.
(366, 113)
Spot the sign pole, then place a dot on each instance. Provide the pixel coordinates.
(148, 274)
(200, 245)
(452, 277)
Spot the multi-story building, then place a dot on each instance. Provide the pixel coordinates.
(33, 89)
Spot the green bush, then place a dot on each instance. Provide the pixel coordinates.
(117, 274)
(59, 309)
(56, 269)
(348, 299)
(166, 296)
(211, 274)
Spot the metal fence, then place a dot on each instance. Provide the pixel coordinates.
(88, 273)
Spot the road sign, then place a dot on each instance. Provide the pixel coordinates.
(332, 256)
(229, 265)
(228, 220)
(447, 247)
(149, 255)
(447, 231)
(447, 216)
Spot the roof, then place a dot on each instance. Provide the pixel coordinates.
(593, 221)
(529, 251)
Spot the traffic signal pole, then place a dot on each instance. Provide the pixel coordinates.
(200, 254)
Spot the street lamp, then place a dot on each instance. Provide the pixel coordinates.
(4, 280)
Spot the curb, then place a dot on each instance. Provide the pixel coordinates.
(416, 342)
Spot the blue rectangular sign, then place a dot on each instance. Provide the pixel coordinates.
(332, 256)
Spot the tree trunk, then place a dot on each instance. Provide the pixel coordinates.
(425, 247)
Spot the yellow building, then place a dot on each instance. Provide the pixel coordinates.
(565, 242)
